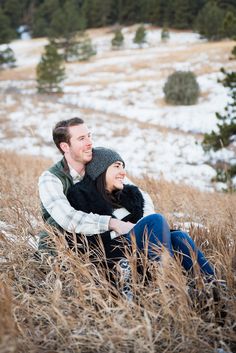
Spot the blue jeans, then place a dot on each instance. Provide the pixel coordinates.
(152, 233)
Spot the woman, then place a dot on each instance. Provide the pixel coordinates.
(104, 192)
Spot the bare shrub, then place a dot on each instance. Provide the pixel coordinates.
(181, 88)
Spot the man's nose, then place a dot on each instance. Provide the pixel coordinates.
(89, 140)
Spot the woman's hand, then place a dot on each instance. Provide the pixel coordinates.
(119, 226)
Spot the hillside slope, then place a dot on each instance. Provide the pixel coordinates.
(119, 94)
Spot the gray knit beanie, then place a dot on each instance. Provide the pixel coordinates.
(102, 159)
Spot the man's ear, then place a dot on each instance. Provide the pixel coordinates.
(64, 146)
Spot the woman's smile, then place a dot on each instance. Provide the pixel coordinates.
(115, 176)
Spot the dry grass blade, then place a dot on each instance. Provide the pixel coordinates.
(67, 304)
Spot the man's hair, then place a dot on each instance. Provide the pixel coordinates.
(60, 133)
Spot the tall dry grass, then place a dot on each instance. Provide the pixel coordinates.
(66, 303)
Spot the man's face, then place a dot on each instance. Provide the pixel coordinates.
(79, 149)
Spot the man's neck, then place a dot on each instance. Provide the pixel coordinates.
(77, 166)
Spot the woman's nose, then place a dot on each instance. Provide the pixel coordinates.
(122, 171)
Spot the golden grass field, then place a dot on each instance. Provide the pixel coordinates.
(66, 304)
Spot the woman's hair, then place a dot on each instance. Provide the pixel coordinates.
(111, 197)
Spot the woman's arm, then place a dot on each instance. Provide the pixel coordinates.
(148, 204)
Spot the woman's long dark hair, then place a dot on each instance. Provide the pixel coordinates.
(111, 197)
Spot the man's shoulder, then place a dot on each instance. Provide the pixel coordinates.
(58, 166)
(53, 170)
(58, 169)
(47, 177)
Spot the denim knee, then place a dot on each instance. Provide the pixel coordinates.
(183, 237)
(154, 218)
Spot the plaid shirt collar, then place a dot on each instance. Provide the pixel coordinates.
(74, 174)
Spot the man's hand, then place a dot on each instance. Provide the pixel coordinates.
(120, 227)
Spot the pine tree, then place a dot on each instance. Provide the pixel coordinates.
(226, 134)
(118, 39)
(233, 52)
(165, 35)
(7, 58)
(6, 32)
(13, 9)
(209, 21)
(50, 70)
(226, 4)
(129, 11)
(159, 12)
(144, 10)
(195, 8)
(229, 25)
(81, 49)
(43, 16)
(167, 12)
(182, 13)
(85, 49)
(66, 23)
(140, 36)
(97, 12)
(152, 12)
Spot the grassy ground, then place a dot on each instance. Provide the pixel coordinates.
(67, 305)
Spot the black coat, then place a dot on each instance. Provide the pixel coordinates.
(84, 196)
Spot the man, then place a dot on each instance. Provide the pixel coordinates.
(73, 139)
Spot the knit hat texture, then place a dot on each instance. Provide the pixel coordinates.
(102, 159)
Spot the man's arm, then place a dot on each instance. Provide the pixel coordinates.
(59, 208)
(120, 227)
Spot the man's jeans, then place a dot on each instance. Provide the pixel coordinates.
(153, 232)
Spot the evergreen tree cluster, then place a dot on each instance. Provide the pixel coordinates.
(226, 133)
(217, 20)
(214, 19)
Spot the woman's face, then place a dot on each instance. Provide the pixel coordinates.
(115, 176)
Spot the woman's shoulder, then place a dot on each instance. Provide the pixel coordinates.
(131, 194)
(131, 189)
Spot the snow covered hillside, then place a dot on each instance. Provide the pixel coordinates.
(119, 94)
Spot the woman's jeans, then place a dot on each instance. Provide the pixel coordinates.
(153, 232)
